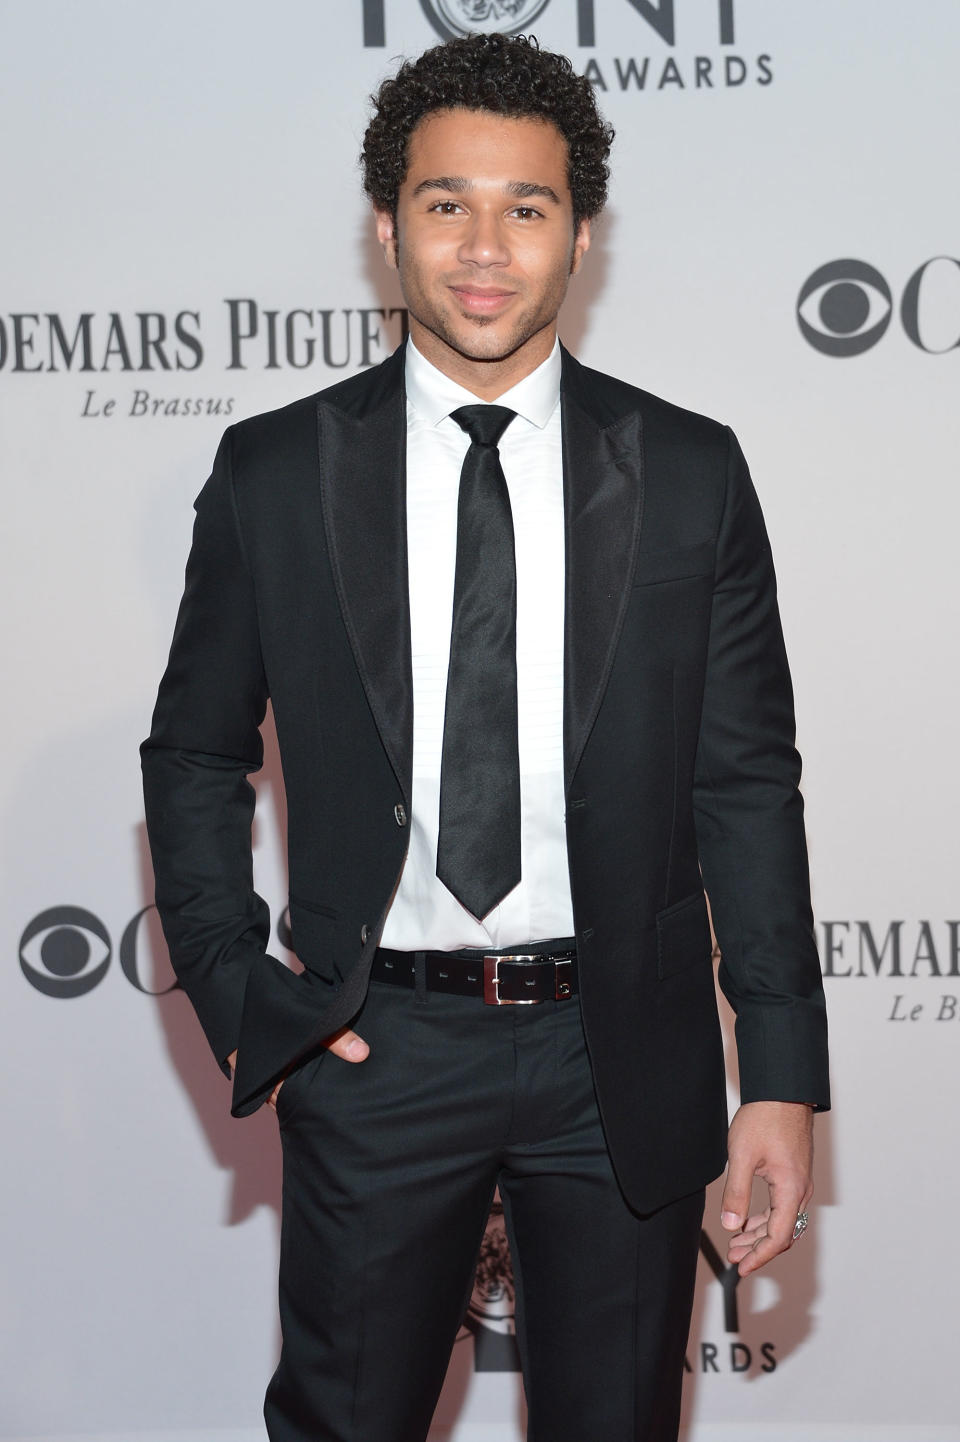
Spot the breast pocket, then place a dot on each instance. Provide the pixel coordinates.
(679, 563)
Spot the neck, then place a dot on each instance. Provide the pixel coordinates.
(486, 379)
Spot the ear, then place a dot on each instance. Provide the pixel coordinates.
(387, 236)
(581, 244)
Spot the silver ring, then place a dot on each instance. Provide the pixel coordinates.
(803, 1222)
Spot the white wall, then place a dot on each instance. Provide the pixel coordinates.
(171, 159)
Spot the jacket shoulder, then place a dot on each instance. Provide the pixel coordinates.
(618, 400)
(273, 441)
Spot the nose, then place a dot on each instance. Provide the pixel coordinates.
(483, 242)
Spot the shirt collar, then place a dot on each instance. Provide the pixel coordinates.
(434, 395)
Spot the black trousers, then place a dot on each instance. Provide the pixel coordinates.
(389, 1168)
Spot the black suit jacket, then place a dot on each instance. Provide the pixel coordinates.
(678, 744)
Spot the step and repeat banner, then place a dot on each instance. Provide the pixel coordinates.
(185, 243)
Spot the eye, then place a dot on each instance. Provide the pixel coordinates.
(65, 951)
(525, 212)
(844, 308)
(446, 207)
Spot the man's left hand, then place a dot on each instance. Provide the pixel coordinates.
(773, 1141)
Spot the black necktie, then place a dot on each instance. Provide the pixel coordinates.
(478, 850)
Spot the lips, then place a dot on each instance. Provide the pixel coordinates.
(482, 300)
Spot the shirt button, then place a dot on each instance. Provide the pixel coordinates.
(400, 812)
(364, 933)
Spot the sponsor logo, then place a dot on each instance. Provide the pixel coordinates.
(675, 70)
(299, 338)
(923, 949)
(465, 17)
(250, 335)
(450, 18)
(678, 70)
(157, 346)
(66, 951)
(909, 955)
(491, 1313)
(700, 72)
(845, 307)
(729, 1355)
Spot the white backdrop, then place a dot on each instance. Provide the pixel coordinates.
(165, 162)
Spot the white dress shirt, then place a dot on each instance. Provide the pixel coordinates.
(425, 916)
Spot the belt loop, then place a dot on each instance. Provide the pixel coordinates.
(420, 977)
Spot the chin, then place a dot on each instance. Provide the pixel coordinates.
(483, 343)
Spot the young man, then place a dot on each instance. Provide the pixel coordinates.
(519, 627)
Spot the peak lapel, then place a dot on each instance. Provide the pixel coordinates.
(362, 436)
(603, 507)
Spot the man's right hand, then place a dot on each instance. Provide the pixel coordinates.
(344, 1044)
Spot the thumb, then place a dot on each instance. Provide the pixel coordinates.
(735, 1202)
(348, 1045)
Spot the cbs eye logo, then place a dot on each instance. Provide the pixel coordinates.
(845, 307)
(66, 951)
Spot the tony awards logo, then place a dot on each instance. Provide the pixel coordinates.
(464, 17)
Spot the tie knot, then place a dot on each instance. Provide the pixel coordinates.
(483, 424)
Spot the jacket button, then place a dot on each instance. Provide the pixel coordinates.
(400, 812)
(364, 933)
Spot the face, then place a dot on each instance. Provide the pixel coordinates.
(484, 243)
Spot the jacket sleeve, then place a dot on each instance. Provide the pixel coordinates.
(203, 743)
(749, 819)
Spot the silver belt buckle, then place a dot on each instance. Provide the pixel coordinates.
(491, 981)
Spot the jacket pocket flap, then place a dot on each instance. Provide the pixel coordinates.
(675, 564)
(319, 908)
(683, 935)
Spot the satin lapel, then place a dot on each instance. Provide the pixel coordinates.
(603, 507)
(362, 432)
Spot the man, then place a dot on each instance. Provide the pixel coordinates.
(518, 623)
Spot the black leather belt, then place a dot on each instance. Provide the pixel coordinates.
(501, 978)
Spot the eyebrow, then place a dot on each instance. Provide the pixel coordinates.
(459, 185)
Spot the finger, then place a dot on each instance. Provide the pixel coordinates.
(759, 1255)
(272, 1098)
(738, 1249)
(745, 1241)
(735, 1202)
(736, 1255)
(749, 1234)
(754, 1223)
(347, 1045)
(779, 1231)
(787, 1203)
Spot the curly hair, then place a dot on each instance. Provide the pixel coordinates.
(508, 75)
